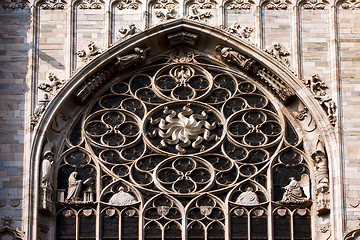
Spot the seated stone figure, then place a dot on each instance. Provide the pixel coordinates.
(248, 198)
(293, 193)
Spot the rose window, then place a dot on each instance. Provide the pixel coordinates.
(190, 151)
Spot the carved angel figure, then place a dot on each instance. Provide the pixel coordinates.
(296, 192)
(132, 59)
(248, 198)
(74, 187)
(122, 198)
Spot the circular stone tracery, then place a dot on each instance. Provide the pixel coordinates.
(184, 128)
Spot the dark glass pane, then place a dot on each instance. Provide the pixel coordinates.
(110, 226)
(239, 227)
(65, 227)
(302, 227)
(258, 227)
(216, 231)
(152, 231)
(282, 227)
(196, 232)
(87, 226)
(173, 231)
(130, 227)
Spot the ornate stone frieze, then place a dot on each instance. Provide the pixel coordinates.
(279, 52)
(40, 108)
(322, 180)
(277, 5)
(240, 5)
(89, 55)
(182, 37)
(314, 4)
(238, 30)
(127, 32)
(166, 9)
(318, 88)
(53, 5)
(276, 85)
(122, 63)
(128, 4)
(91, 4)
(14, 4)
(168, 15)
(54, 86)
(350, 5)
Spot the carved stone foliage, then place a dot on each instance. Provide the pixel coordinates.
(279, 52)
(128, 4)
(314, 4)
(318, 88)
(240, 5)
(181, 139)
(277, 5)
(87, 55)
(200, 10)
(14, 4)
(53, 5)
(350, 5)
(91, 4)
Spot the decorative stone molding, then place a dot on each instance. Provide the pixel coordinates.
(314, 4)
(279, 52)
(7, 230)
(91, 4)
(182, 37)
(14, 202)
(14, 4)
(122, 63)
(54, 86)
(353, 235)
(350, 5)
(128, 4)
(240, 5)
(277, 5)
(238, 30)
(305, 116)
(318, 88)
(127, 32)
(87, 56)
(53, 5)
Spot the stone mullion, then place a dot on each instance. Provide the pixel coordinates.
(258, 26)
(108, 32)
(295, 45)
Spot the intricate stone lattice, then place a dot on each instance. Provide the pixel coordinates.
(53, 5)
(14, 4)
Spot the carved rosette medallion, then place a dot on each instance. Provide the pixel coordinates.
(184, 128)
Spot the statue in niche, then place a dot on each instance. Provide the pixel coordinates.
(122, 198)
(235, 57)
(280, 53)
(47, 170)
(295, 192)
(248, 198)
(132, 59)
(74, 187)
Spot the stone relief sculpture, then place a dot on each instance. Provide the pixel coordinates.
(322, 180)
(14, 4)
(237, 29)
(235, 57)
(91, 4)
(132, 59)
(87, 56)
(280, 53)
(39, 111)
(318, 88)
(294, 191)
(47, 171)
(53, 5)
(168, 15)
(122, 198)
(277, 5)
(195, 14)
(240, 5)
(74, 188)
(130, 31)
(128, 4)
(54, 85)
(248, 198)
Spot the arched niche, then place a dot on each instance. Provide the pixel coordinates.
(226, 86)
